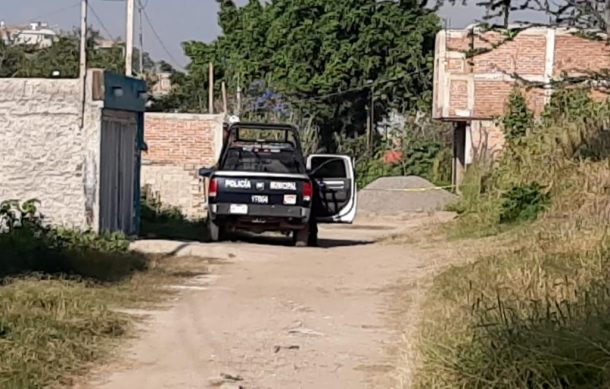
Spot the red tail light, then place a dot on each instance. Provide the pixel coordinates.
(213, 188)
(307, 191)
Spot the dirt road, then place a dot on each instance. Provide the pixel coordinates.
(273, 316)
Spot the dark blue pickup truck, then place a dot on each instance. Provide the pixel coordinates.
(262, 182)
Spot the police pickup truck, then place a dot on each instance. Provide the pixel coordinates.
(263, 183)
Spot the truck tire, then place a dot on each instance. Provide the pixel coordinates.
(215, 231)
(300, 238)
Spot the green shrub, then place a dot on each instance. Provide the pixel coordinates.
(523, 203)
(27, 245)
(518, 119)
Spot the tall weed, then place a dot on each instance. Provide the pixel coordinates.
(537, 314)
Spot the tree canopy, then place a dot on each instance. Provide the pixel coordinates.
(318, 58)
(63, 57)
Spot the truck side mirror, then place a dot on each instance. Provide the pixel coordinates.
(205, 172)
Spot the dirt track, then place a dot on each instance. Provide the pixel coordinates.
(281, 317)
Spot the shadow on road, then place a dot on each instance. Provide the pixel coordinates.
(274, 240)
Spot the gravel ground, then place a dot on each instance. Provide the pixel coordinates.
(384, 196)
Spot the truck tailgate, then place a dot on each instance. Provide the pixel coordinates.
(260, 188)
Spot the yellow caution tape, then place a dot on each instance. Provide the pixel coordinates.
(411, 189)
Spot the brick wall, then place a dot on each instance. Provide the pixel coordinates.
(475, 89)
(537, 54)
(487, 139)
(574, 54)
(178, 145)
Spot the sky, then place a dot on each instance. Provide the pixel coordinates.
(175, 21)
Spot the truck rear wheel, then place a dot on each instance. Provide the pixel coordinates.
(300, 238)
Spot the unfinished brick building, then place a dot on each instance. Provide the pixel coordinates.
(472, 90)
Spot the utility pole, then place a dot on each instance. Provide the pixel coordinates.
(368, 130)
(83, 39)
(224, 98)
(141, 69)
(129, 40)
(211, 89)
(238, 96)
(370, 139)
(83, 59)
(607, 18)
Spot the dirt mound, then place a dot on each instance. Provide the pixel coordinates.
(392, 195)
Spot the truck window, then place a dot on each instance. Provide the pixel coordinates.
(284, 161)
(328, 168)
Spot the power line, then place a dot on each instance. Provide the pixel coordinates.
(101, 22)
(356, 89)
(37, 18)
(158, 37)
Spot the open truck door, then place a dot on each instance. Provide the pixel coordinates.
(337, 195)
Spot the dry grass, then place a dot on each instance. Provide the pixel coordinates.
(533, 312)
(53, 330)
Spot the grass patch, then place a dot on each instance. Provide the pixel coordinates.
(535, 311)
(60, 291)
(53, 329)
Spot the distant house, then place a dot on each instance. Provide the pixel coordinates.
(35, 34)
(471, 91)
(162, 84)
(103, 43)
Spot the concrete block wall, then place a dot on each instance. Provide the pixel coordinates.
(178, 145)
(51, 138)
(42, 153)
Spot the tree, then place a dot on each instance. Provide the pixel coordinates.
(321, 58)
(62, 57)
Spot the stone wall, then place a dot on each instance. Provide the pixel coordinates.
(42, 152)
(178, 145)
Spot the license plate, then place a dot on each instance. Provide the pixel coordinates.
(290, 199)
(260, 199)
(238, 209)
(283, 185)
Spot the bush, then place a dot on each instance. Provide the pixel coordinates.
(423, 144)
(523, 203)
(27, 245)
(519, 119)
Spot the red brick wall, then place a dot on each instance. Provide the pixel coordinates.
(575, 55)
(491, 72)
(180, 139)
(524, 55)
(491, 97)
(487, 139)
(178, 145)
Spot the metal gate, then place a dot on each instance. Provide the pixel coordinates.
(118, 172)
